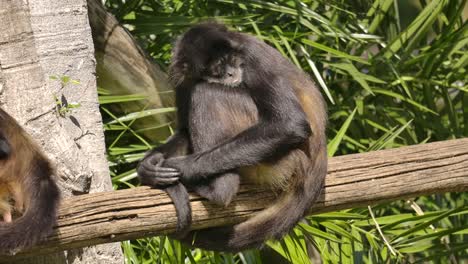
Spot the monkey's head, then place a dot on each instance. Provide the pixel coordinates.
(208, 52)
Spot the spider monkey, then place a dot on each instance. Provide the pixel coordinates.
(245, 113)
(25, 178)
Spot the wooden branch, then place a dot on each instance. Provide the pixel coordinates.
(353, 181)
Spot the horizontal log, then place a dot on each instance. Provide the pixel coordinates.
(355, 180)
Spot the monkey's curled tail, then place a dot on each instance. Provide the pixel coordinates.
(181, 200)
(40, 216)
(275, 221)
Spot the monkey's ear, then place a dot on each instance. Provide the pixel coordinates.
(235, 44)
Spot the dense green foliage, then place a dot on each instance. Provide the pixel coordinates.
(394, 74)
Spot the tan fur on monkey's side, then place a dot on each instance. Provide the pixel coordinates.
(26, 188)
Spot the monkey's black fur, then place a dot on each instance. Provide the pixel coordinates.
(26, 177)
(4, 147)
(267, 127)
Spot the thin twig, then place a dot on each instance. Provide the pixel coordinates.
(380, 231)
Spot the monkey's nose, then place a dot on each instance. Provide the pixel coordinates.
(230, 74)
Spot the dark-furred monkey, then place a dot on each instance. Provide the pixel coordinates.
(26, 187)
(244, 112)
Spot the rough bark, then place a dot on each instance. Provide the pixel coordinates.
(40, 39)
(353, 181)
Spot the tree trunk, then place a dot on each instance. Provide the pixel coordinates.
(124, 68)
(40, 39)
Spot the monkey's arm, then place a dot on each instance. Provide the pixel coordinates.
(282, 126)
(149, 169)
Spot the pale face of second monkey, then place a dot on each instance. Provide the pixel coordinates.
(225, 70)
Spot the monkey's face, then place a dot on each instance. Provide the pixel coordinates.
(226, 70)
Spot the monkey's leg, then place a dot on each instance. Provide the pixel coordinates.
(220, 190)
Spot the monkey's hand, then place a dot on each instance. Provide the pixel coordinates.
(152, 173)
(186, 166)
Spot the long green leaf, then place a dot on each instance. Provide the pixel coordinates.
(335, 142)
